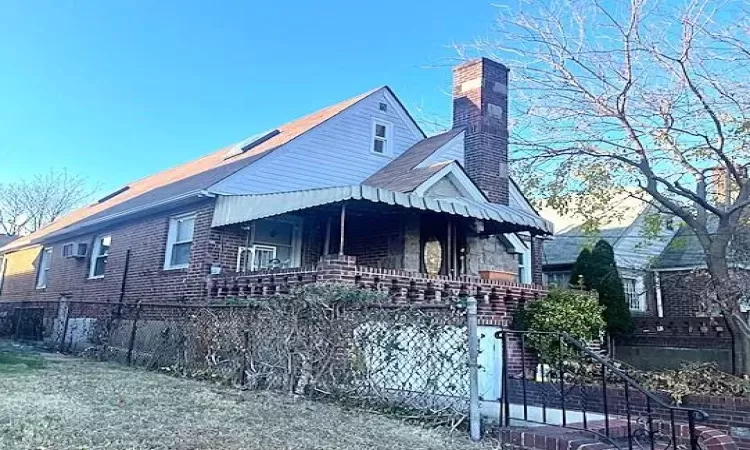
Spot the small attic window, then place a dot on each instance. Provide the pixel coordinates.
(113, 194)
(381, 132)
(383, 107)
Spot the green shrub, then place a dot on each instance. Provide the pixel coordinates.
(572, 312)
(596, 270)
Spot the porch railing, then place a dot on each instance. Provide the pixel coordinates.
(402, 286)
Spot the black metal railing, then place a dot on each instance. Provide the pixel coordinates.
(577, 388)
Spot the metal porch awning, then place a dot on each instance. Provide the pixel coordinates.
(232, 209)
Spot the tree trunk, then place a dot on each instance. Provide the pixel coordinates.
(727, 298)
(740, 344)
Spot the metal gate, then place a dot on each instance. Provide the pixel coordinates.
(29, 324)
(577, 388)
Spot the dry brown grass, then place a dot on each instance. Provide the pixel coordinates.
(78, 404)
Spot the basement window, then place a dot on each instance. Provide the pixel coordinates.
(381, 133)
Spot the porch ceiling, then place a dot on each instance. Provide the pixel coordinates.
(242, 208)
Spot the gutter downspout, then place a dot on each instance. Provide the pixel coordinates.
(659, 302)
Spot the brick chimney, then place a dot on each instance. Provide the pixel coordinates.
(480, 105)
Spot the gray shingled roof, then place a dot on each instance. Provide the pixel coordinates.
(565, 247)
(408, 181)
(400, 174)
(683, 251)
(5, 238)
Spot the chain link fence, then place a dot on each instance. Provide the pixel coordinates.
(322, 341)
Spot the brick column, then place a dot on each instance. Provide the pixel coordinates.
(337, 268)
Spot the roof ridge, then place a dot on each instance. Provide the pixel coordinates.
(191, 170)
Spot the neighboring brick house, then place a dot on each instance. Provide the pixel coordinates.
(279, 200)
(666, 286)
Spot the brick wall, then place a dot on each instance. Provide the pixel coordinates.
(683, 293)
(480, 105)
(376, 242)
(146, 239)
(537, 260)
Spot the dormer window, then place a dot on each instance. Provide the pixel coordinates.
(381, 132)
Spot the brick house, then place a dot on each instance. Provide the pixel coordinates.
(358, 180)
(665, 283)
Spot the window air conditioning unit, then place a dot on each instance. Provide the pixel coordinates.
(75, 250)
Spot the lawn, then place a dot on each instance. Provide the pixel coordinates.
(60, 403)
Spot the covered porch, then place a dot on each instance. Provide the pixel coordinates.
(377, 232)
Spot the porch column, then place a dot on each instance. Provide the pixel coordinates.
(342, 228)
(327, 242)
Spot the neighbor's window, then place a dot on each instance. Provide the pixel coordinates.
(99, 256)
(44, 263)
(557, 279)
(634, 293)
(3, 264)
(179, 241)
(380, 135)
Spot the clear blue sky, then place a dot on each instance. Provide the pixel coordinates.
(119, 90)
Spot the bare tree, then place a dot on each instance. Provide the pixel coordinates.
(648, 99)
(28, 205)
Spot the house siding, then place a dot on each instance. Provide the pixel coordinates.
(335, 153)
(453, 150)
(146, 280)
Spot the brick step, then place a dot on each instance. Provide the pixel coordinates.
(551, 437)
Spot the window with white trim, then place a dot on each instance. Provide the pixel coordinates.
(381, 132)
(557, 279)
(99, 256)
(522, 269)
(179, 241)
(3, 264)
(257, 257)
(635, 293)
(273, 244)
(45, 259)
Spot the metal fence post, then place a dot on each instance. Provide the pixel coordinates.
(245, 345)
(475, 430)
(133, 331)
(65, 325)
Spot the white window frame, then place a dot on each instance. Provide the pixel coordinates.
(296, 247)
(172, 240)
(3, 266)
(44, 256)
(524, 272)
(557, 278)
(251, 260)
(95, 255)
(521, 247)
(637, 298)
(387, 140)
